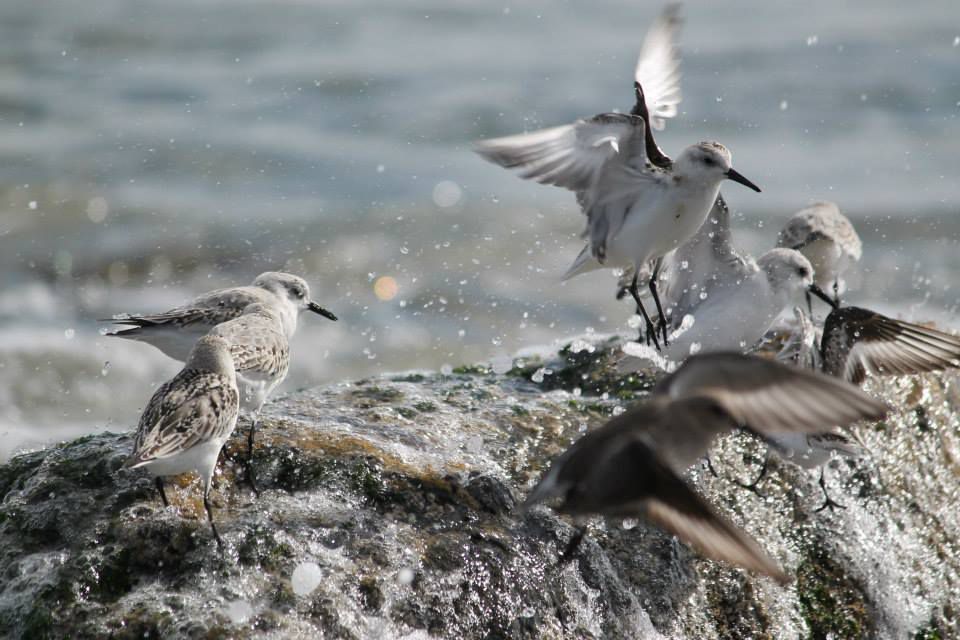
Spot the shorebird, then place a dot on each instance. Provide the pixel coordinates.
(188, 420)
(631, 466)
(705, 263)
(828, 240)
(261, 358)
(640, 204)
(857, 342)
(734, 311)
(174, 332)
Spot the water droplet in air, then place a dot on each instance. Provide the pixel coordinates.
(306, 577)
(405, 576)
(447, 194)
(239, 611)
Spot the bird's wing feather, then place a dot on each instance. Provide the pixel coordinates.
(570, 156)
(209, 309)
(632, 480)
(658, 67)
(769, 397)
(193, 407)
(256, 342)
(884, 346)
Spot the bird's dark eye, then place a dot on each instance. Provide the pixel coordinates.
(803, 273)
(707, 160)
(298, 293)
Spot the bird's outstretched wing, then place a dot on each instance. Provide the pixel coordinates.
(658, 67)
(570, 156)
(769, 397)
(859, 341)
(619, 474)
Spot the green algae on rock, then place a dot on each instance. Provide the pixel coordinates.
(401, 489)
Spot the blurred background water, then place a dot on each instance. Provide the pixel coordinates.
(151, 150)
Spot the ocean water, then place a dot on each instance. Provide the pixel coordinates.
(153, 150)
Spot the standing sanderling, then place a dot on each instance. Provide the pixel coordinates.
(188, 420)
(639, 203)
(261, 358)
(631, 466)
(828, 240)
(175, 332)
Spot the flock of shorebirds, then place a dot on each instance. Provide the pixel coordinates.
(665, 226)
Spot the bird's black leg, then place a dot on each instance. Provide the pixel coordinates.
(163, 494)
(828, 502)
(213, 527)
(651, 332)
(836, 291)
(656, 300)
(809, 304)
(250, 477)
(573, 545)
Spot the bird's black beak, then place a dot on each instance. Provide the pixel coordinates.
(733, 174)
(313, 306)
(820, 293)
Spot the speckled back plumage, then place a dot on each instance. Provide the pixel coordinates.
(192, 408)
(198, 405)
(257, 342)
(210, 309)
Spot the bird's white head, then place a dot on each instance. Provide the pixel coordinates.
(211, 353)
(788, 271)
(293, 292)
(708, 164)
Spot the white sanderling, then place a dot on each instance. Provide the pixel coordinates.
(740, 312)
(175, 332)
(188, 420)
(261, 358)
(639, 203)
(630, 467)
(828, 240)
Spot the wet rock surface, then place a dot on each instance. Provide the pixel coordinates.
(401, 490)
